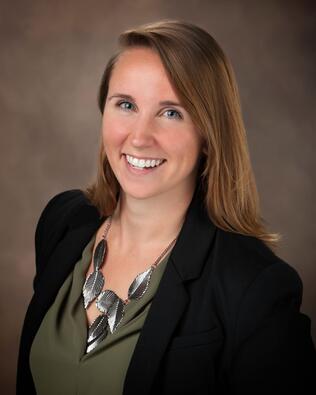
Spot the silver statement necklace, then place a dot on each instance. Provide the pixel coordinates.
(108, 303)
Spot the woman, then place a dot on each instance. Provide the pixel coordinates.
(160, 278)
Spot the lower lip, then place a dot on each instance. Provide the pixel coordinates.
(142, 171)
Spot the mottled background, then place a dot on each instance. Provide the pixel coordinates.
(52, 57)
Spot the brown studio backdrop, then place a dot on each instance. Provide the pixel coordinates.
(52, 58)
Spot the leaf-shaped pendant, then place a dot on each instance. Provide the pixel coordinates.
(115, 313)
(105, 300)
(99, 254)
(140, 284)
(97, 332)
(92, 287)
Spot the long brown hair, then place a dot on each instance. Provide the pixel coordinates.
(204, 80)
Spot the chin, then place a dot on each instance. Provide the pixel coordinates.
(141, 193)
(140, 196)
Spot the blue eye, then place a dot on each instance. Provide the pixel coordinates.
(124, 102)
(178, 116)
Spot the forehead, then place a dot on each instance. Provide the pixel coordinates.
(140, 68)
(138, 56)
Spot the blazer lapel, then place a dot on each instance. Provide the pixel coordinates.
(186, 262)
(60, 264)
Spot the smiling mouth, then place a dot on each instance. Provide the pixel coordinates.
(141, 163)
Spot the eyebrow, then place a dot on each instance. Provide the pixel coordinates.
(129, 97)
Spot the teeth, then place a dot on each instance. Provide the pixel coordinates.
(141, 163)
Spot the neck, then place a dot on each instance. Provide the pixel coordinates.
(151, 222)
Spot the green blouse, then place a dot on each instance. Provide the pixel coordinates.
(58, 361)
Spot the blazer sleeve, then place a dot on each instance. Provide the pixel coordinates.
(274, 352)
(51, 220)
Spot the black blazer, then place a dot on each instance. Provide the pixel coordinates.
(225, 318)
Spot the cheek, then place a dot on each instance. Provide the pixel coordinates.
(112, 131)
(188, 146)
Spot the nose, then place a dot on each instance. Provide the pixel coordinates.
(142, 133)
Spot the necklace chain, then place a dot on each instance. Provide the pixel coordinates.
(106, 230)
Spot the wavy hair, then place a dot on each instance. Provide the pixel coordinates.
(204, 80)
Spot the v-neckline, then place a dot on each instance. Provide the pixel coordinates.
(129, 312)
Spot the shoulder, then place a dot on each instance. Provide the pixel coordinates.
(252, 282)
(56, 216)
(241, 259)
(63, 211)
(62, 204)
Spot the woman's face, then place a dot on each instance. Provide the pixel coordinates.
(141, 122)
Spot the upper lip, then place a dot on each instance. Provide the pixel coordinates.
(143, 157)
